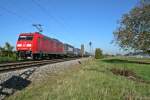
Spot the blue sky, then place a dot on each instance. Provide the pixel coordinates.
(73, 21)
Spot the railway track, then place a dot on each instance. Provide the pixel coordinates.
(22, 65)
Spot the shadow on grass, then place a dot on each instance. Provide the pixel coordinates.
(120, 61)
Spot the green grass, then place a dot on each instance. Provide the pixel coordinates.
(7, 59)
(91, 81)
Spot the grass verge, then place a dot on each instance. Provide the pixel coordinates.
(7, 59)
(92, 80)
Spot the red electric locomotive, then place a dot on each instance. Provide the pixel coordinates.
(36, 45)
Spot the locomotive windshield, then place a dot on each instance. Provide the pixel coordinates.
(25, 38)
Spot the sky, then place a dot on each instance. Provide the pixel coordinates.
(71, 21)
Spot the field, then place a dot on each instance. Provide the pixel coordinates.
(105, 79)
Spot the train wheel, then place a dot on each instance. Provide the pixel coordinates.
(50, 57)
(34, 56)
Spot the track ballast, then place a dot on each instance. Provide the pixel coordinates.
(6, 67)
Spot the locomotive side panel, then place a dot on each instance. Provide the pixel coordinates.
(58, 47)
(48, 45)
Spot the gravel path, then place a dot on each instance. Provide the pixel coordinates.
(17, 80)
(44, 71)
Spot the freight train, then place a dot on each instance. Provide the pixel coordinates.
(38, 46)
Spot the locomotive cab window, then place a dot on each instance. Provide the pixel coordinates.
(29, 37)
(25, 38)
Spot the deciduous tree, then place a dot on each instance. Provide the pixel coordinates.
(98, 53)
(134, 29)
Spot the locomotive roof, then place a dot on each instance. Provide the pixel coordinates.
(52, 39)
(29, 33)
(41, 34)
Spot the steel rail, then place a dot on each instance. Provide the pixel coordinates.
(27, 64)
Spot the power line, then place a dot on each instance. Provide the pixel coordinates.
(29, 19)
(45, 11)
(23, 9)
(15, 14)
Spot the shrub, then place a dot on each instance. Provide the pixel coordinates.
(7, 59)
(98, 53)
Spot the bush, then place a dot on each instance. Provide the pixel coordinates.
(7, 59)
(98, 53)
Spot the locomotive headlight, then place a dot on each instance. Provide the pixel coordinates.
(28, 45)
(19, 45)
